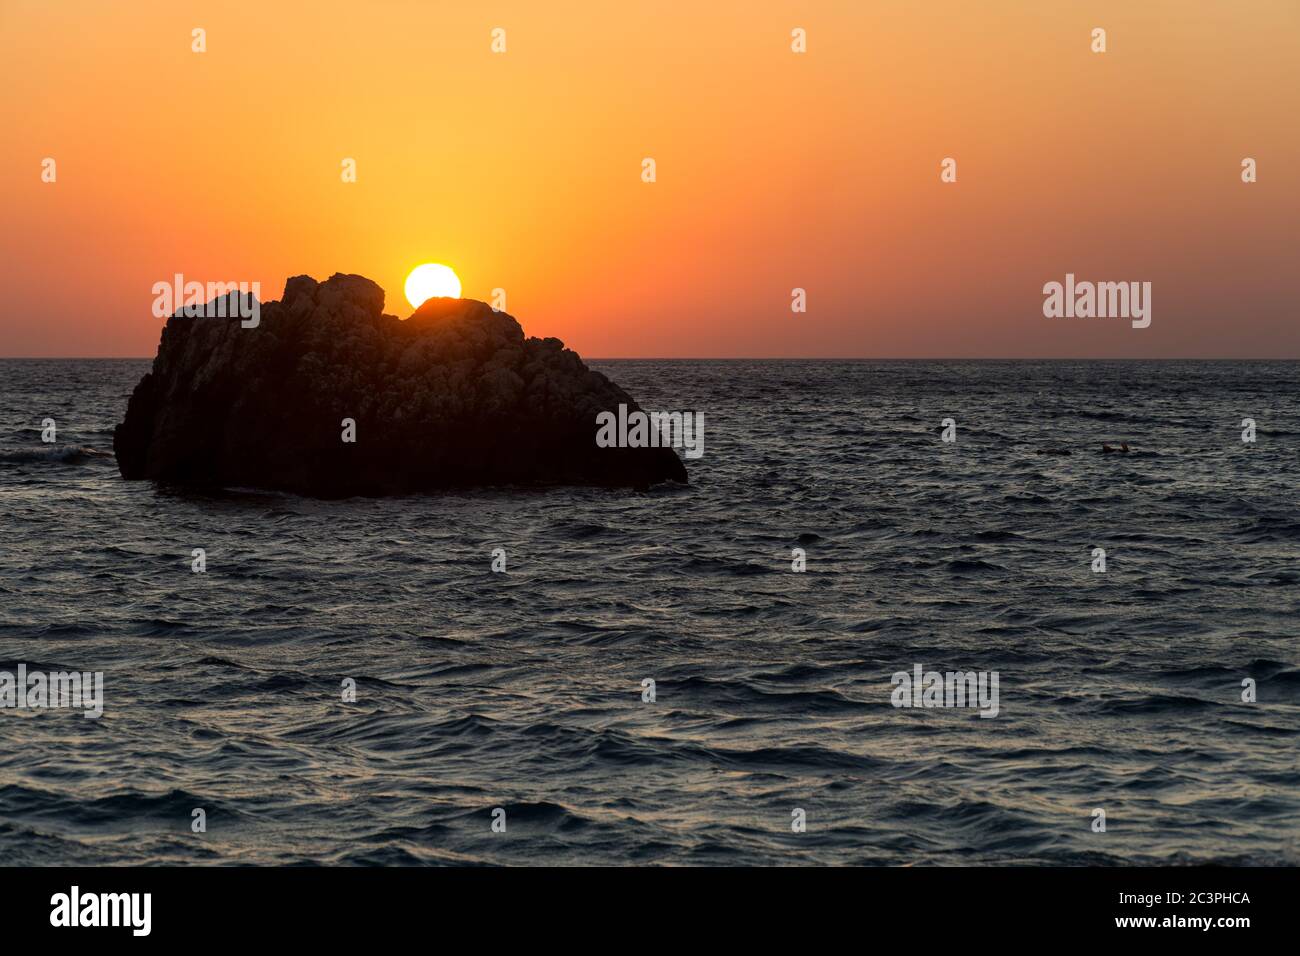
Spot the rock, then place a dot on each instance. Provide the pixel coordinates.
(455, 396)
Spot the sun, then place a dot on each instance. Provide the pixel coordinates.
(429, 281)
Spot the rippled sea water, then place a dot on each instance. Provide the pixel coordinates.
(523, 690)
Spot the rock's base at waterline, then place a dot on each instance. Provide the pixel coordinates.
(453, 397)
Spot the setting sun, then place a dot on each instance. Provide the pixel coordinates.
(429, 281)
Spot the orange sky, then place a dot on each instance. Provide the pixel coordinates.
(522, 170)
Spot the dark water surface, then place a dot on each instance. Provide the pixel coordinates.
(1119, 691)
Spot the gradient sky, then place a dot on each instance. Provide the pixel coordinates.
(775, 170)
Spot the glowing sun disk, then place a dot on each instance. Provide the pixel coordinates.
(429, 281)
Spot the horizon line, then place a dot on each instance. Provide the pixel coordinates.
(755, 358)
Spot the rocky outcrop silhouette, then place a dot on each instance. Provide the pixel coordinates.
(454, 396)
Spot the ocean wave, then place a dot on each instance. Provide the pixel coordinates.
(52, 455)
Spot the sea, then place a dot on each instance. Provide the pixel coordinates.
(708, 674)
